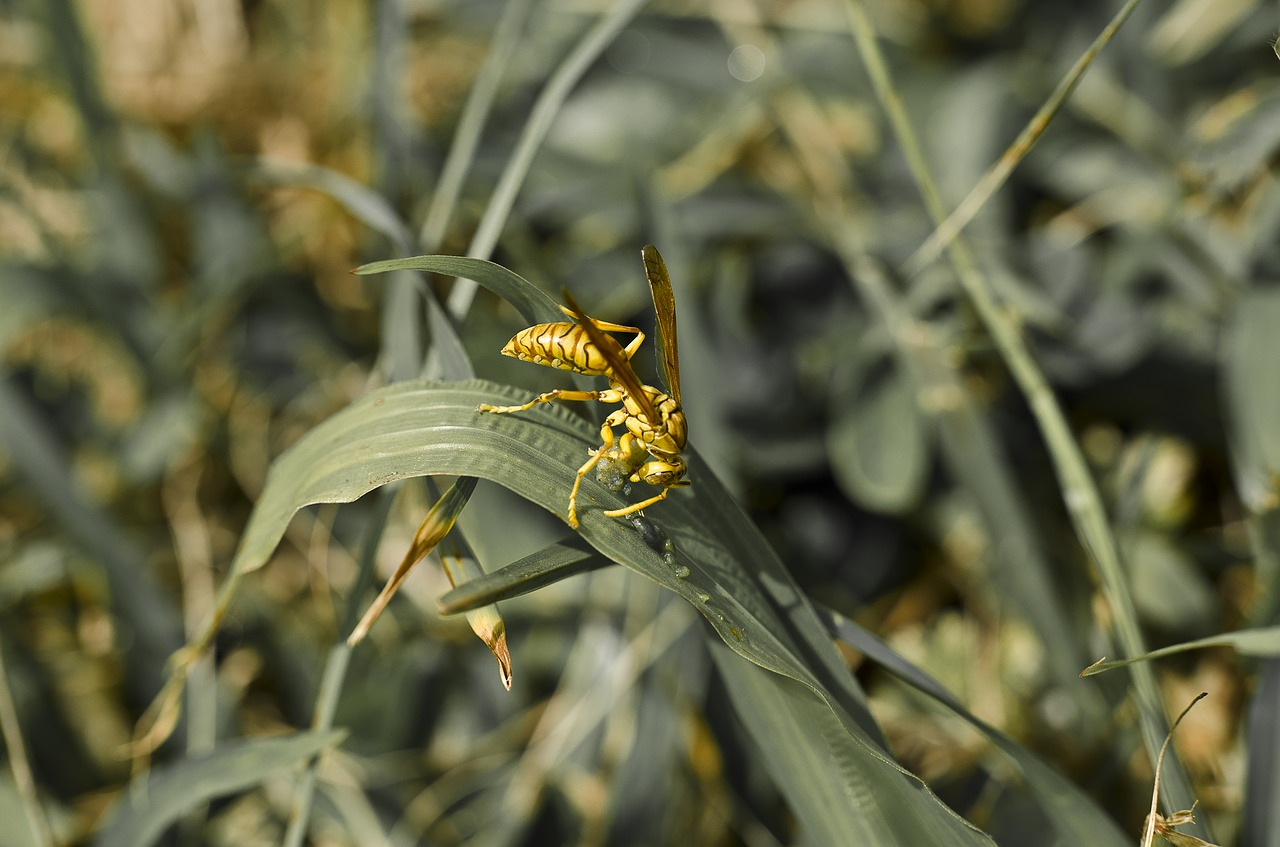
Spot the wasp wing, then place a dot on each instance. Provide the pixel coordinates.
(664, 306)
(619, 367)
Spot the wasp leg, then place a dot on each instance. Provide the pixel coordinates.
(606, 436)
(635, 507)
(609, 396)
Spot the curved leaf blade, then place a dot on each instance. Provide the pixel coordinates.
(1073, 815)
(533, 304)
(365, 204)
(698, 544)
(537, 570)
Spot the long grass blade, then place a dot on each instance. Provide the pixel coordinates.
(1079, 490)
(475, 112)
(20, 765)
(537, 570)
(997, 174)
(1264, 642)
(335, 671)
(535, 130)
(1261, 824)
(1075, 818)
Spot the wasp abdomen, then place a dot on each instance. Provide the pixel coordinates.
(559, 345)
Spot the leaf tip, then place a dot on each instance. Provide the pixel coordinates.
(1094, 668)
(503, 655)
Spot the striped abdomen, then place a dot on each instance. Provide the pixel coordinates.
(561, 345)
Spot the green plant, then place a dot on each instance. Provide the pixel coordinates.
(980, 468)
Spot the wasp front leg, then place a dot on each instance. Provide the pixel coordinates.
(635, 507)
(669, 473)
(606, 436)
(609, 396)
(618, 464)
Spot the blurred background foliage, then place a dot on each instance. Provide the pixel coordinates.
(176, 309)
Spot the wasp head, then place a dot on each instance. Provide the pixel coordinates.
(666, 470)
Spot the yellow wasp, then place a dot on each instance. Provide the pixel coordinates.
(655, 434)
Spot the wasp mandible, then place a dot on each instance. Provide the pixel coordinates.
(649, 451)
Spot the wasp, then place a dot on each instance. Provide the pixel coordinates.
(655, 431)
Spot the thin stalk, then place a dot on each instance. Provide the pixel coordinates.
(1080, 493)
(966, 440)
(20, 766)
(535, 131)
(995, 177)
(470, 123)
(335, 667)
(466, 138)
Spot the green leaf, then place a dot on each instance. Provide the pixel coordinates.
(1075, 818)
(1260, 825)
(1253, 396)
(696, 543)
(533, 304)
(367, 205)
(1169, 590)
(537, 570)
(156, 800)
(878, 442)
